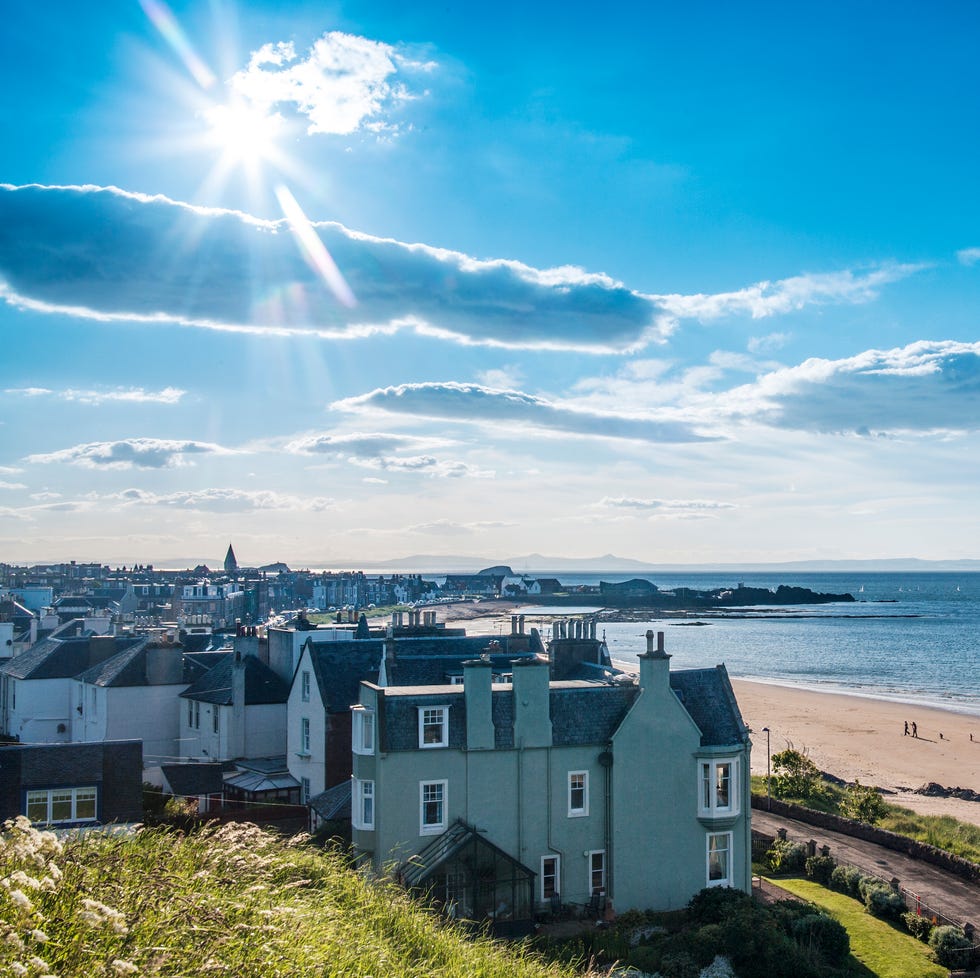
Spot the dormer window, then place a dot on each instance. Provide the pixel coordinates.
(433, 726)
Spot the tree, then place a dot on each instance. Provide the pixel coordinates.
(796, 776)
(862, 802)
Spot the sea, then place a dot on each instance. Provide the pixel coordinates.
(913, 638)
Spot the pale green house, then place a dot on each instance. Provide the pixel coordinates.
(506, 799)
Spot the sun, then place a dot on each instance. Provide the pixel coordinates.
(243, 132)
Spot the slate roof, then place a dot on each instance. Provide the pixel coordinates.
(126, 668)
(56, 658)
(340, 667)
(434, 670)
(194, 779)
(581, 712)
(334, 803)
(262, 685)
(707, 696)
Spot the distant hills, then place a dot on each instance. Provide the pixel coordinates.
(541, 564)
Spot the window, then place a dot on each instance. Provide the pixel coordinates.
(305, 686)
(433, 726)
(578, 793)
(304, 790)
(362, 740)
(550, 877)
(597, 871)
(197, 714)
(61, 805)
(719, 859)
(363, 808)
(455, 680)
(214, 717)
(432, 801)
(13, 694)
(190, 713)
(304, 736)
(719, 788)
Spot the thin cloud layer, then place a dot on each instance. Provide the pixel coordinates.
(625, 502)
(132, 395)
(225, 500)
(143, 453)
(920, 388)
(106, 254)
(471, 403)
(344, 84)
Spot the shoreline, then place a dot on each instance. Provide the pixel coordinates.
(861, 738)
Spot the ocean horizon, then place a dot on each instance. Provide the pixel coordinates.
(910, 638)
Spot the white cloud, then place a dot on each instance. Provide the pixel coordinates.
(768, 343)
(224, 500)
(471, 403)
(766, 299)
(155, 260)
(131, 395)
(12, 485)
(360, 444)
(344, 84)
(924, 387)
(625, 502)
(146, 453)
(451, 528)
(968, 256)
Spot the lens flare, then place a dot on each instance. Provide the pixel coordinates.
(164, 21)
(313, 249)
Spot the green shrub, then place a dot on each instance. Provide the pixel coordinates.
(951, 947)
(863, 803)
(786, 857)
(821, 933)
(716, 903)
(645, 959)
(917, 925)
(787, 912)
(819, 869)
(881, 899)
(679, 964)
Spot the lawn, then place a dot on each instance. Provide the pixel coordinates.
(883, 949)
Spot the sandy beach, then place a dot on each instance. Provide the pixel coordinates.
(858, 738)
(851, 737)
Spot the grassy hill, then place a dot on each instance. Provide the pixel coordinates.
(230, 900)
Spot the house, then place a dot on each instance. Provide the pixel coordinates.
(235, 710)
(499, 800)
(134, 694)
(36, 686)
(72, 785)
(327, 681)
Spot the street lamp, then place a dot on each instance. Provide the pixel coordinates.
(768, 772)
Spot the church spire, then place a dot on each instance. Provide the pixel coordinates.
(231, 563)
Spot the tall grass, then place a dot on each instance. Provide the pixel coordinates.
(232, 901)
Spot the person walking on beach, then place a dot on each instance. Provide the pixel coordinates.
(915, 729)
(906, 728)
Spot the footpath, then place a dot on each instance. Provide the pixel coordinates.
(937, 889)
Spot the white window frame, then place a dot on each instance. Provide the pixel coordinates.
(48, 796)
(304, 737)
(555, 876)
(215, 718)
(433, 828)
(727, 838)
(709, 770)
(431, 722)
(578, 811)
(456, 680)
(304, 685)
(304, 790)
(364, 730)
(601, 888)
(362, 809)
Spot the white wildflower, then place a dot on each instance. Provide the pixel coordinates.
(22, 879)
(120, 967)
(39, 936)
(20, 899)
(14, 941)
(37, 963)
(16, 968)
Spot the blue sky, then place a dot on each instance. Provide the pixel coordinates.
(343, 281)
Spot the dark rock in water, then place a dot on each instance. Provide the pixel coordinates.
(496, 571)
